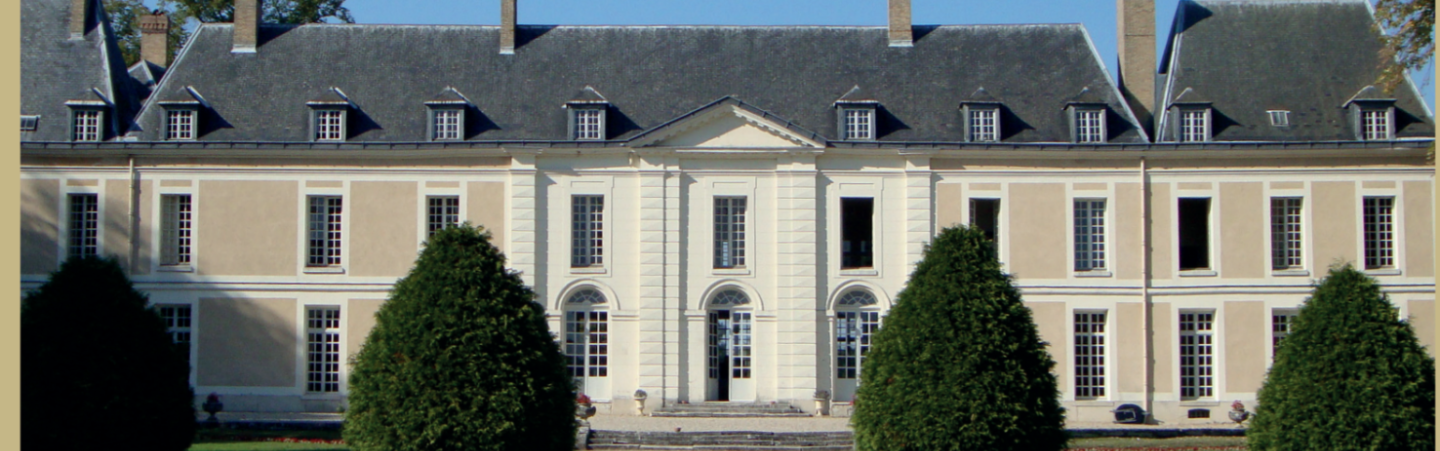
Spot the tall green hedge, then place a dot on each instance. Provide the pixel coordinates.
(1350, 376)
(460, 359)
(97, 368)
(958, 363)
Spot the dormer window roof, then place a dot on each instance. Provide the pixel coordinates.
(87, 117)
(981, 115)
(1371, 114)
(855, 115)
(447, 115)
(1190, 117)
(329, 115)
(1087, 113)
(587, 110)
(182, 114)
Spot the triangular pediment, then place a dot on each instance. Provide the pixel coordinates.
(728, 124)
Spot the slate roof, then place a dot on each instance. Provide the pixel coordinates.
(650, 75)
(55, 69)
(1305, 56)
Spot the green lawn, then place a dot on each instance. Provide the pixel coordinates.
(264, 446)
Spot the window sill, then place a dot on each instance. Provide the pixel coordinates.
(587, 270)
(1290, 273)
(175, 268)
(731, 271)
(1197, 273)
(324, 270)
(1383, 272)
(1094, 403)
(1199, 403)
(1100, 273)
(860, 272)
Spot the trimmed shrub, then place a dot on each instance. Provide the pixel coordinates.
(460, 358)
(1350, 376)
(97, 368)
(958, 363)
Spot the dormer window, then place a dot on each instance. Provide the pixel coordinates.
(180, 124)
(1372, 114)
(984, 124)
(447, 115)
(86, 124)
(1090, 125)
(588, 123)
(1375, 124)
(1279, 118)
(1195, 125)
(330, 125)
(29, 123)
(859, 123)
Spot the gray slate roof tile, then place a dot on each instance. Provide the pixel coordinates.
(55, 69)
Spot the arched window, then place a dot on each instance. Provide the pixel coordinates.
(587, 335)
(730, 297)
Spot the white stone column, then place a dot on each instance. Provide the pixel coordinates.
(659, 280)
(798, 262)
(522, 228)
(919, 213)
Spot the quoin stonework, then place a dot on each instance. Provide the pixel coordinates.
(715, 213)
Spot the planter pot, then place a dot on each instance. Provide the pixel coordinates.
(640, 406)
(821, 407)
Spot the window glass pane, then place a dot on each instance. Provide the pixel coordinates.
(1286, 249)
(1194, 233)
(87, 125)
(859, 123)
(588, 124)
(1197, 350)
(322, 329)
(325, 231)
(729, 232)
(441, 212)
(180, 124)
(175, 229)
(857, 245)
(1089, 234)
(1376, 124)
(1379, 232)
(587, 241)
(1194, 126)
(1090, 126)
(84, 225)
(447, 124)
(1090, 355)
(983, 125)
(329, 125)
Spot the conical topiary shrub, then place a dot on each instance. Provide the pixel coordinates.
(97, 368)
(1349, 376)
(958, 363)
(460, 358)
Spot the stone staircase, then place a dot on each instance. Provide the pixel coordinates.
(729, 410)
(723, 441)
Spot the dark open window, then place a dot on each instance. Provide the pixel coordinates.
(985, 215)
(857, 245)
(1194, 234)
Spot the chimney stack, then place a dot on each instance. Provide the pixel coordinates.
(901, 33)
(247, 26)
(155, 38)
(80, 14)
(1136, 30)
(507, 27)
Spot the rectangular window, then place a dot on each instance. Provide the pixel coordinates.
(442, 212)
(1376, 124)
(985, 215)
(177, 324)
(1281, 320)
(329, 125)
(87, 125)
(587, 235)
(446, 125)
(587, 343)
(588, 124)
(322, 327)
(1379, 232)
(729, 232)
(1089, 355)
(1090, 126)
(983, 125)
(1279, 118)
(859, 124)
(1089, 234)
(29, 123)
(180, 124)
(325, 233)
(84, 225)
(857, 245)
(740, 345)
(175, 229)
(853, 333)
(1285, 233)
(1194, 126)
(1194, 234)
(1197, 351)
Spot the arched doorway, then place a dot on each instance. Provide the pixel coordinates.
(729, 348)
(587, 342)
(857, 318)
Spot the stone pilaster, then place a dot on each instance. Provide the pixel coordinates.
(798, 262)
(659, 281)
(919, 216)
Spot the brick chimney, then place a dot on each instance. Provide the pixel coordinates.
(81, 11)
(1136, 37)
(155, 38)
(507, 27)
(247, 26)
(901, 33)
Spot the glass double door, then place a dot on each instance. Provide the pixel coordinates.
(729, 356)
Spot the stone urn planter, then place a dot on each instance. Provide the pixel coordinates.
(1238, 413)
(640, 396)
(822, 402)
(212, 406)
(583, 409)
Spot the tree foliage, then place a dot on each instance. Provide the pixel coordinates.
(1350, 376)
(273, 11)
(97, 368)
(460, 358)
(125, 20)
(1411, 42)
(958, 363)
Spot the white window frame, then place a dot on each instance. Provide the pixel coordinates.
(589, 124)
(174, 187)
(329, 125)
(445, 217)
(586, 347)
(1202, 340)
(29, 122)
(1195, 125)
(859, 123)
(1279, 118)
(984, 124)
(177, 230)
(1083, 260)
(68, 241)
(180, 124)
(858, 317)
(1387, 255)
(87, 124)
(1090, 125)
(1287, 233)
(326, 365)
(1081, 333)
(303, 257)
(179, 325)
(1377, 124)
(590, 253)
(447, 124)
(731, 231)
(1276, 326)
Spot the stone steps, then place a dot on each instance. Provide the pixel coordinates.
(728, 410)
(718, 441)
